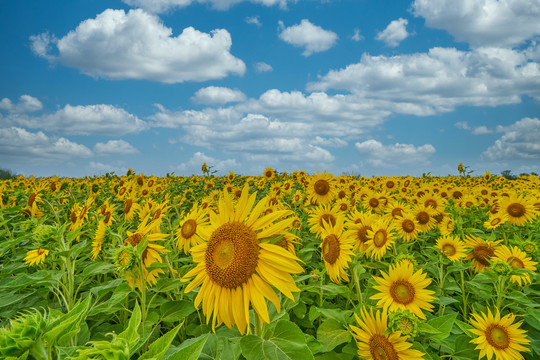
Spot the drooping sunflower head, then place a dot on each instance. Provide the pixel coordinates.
(499, 336)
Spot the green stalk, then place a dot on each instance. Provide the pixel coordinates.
(464, 296)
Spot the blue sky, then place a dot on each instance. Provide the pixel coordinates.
(349, 86)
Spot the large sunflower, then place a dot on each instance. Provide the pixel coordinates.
(519, 210)
(407, 226)
(481, 251)
(238, 265)
(375, 343)
(336, 250)
(322, 188)
(517, 259)
(380, 237)
(403, 289)
(499, 336)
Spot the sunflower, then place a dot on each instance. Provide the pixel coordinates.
(375, 202)
(495, 220)
(519, 210)
(151, 253)
(321, 188)
(452, 247)
(130, 207)
(446, 226)
(407, 226)
(323, 214)
(99, 237)
(268, 174)
(481, 251)
(374, 342)
(188, 233)
(396, 208)
(336, 250)
(236, 266)
(425, 217)
(436, 202)
(499, 336)
(35, 257)
(403, 289)
(517, 259)
(380, 238)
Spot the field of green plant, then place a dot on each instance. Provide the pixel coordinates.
(277, 266)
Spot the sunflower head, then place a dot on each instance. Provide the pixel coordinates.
(125, 258)
(405, 322)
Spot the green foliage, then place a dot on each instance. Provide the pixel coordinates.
(6, 174)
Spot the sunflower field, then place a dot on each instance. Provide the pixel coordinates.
(277, 266)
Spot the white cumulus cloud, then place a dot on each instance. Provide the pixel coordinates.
(161, 6)
(115, 147)
(261, 67)
(519, 142)
(217, 95)
(499, 23)
(394, 33)
(26, 104)
(136, 45)
(306, 35)
(381, 155)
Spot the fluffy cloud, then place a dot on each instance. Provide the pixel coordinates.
(161, 6)
(215, 95)
(483, 22)
(26, 104)
(440, 80)
(115, 147)
(17, 143)
(394, 33)
(98, 119)
(261, 67)
(253, 20)
(519, 142)
(381, 155)
(311, 37)
(137, 45)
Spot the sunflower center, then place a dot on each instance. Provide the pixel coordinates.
(406, 325)
(329, 218)
(382, 349)
(380, 238)
(449, 249)
(330, 249)
(73, 217)
(482, 254)
(390, 184)
(188, 228)
(321, 187)
(397, 212)
(497, 336)
(127, 205)
(402, 292)
(407, 225)
(362, 233)
(31, 199)
(134, 239)
(516, 210)
(232, 254)
(516, 263)
(422, 217)
(373, 202)
(495, 221)
(431, 202)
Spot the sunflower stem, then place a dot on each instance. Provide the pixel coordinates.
(259, 326)
(464, 296)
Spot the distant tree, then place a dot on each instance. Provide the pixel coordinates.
(508, 174)
(6, 174)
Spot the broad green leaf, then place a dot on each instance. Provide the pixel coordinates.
(7, 299)
(282, 341)
(464, 348)
(174, 311)
(341, 316)
(160, 346)
(444, 325)
(63, 328)
(96, 268)
(130, 334)
(331, 333)
(190, 349)
(465, 328)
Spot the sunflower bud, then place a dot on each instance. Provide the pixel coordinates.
(501, 268)
(125, 258)
(22, 333)
(42, 234)
(404, 321)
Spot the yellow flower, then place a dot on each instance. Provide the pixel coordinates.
(237, 266)
(336, 250)
(403, 289)
(321, 188)
(499, 336)
(517, 259)
(451, 247)
(35, 257)
(481, 251)
(188, 233)
(374, 341)
(380, 238)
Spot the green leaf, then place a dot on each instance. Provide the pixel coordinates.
(7, 299)
(173, 311)
(331, 333)
(464, 348)
(465, 328)
(445, 300)
(161, 345)
(282, 341)
(341, 316)
(444, 325)
(426, 328)
(130, 334)
(96, 268)
(190, 349)
(62, 329)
